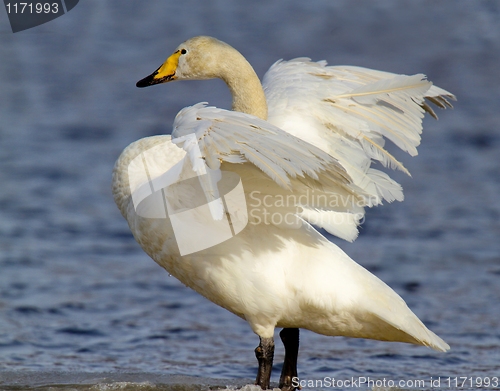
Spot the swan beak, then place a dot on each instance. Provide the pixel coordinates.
(163, 74)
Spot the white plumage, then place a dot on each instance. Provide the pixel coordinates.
(346, 111)
(307, 163)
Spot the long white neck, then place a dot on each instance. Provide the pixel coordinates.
(243, 82)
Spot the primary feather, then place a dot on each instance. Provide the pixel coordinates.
(347, 111)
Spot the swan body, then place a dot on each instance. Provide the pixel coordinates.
(303, 139)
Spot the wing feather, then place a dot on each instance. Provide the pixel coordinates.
(230, 136)
(274, 166)
(348, 111)
(274, 171)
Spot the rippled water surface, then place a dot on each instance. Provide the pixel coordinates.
(81, 306)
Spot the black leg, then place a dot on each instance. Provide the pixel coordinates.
(265, 354)
(290, 338)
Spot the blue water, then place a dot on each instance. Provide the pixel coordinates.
(80, 302)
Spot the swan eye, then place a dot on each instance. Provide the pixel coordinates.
(183, 51)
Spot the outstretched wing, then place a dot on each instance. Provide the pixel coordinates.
(349, 111)
(234, 137)
(287, 177)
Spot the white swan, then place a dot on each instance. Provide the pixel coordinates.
(307, 161)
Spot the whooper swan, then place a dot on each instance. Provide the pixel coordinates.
(227, 203)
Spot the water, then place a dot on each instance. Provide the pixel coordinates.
(81, 306)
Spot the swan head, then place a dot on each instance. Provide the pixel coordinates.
(197, 58)
(201, 58)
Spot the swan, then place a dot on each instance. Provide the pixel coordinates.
(230, 203)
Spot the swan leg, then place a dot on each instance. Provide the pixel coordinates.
(290, 338)
(265, 354)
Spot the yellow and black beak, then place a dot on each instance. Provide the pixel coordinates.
(163, 74)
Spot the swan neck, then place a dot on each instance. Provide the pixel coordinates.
(245, 86)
